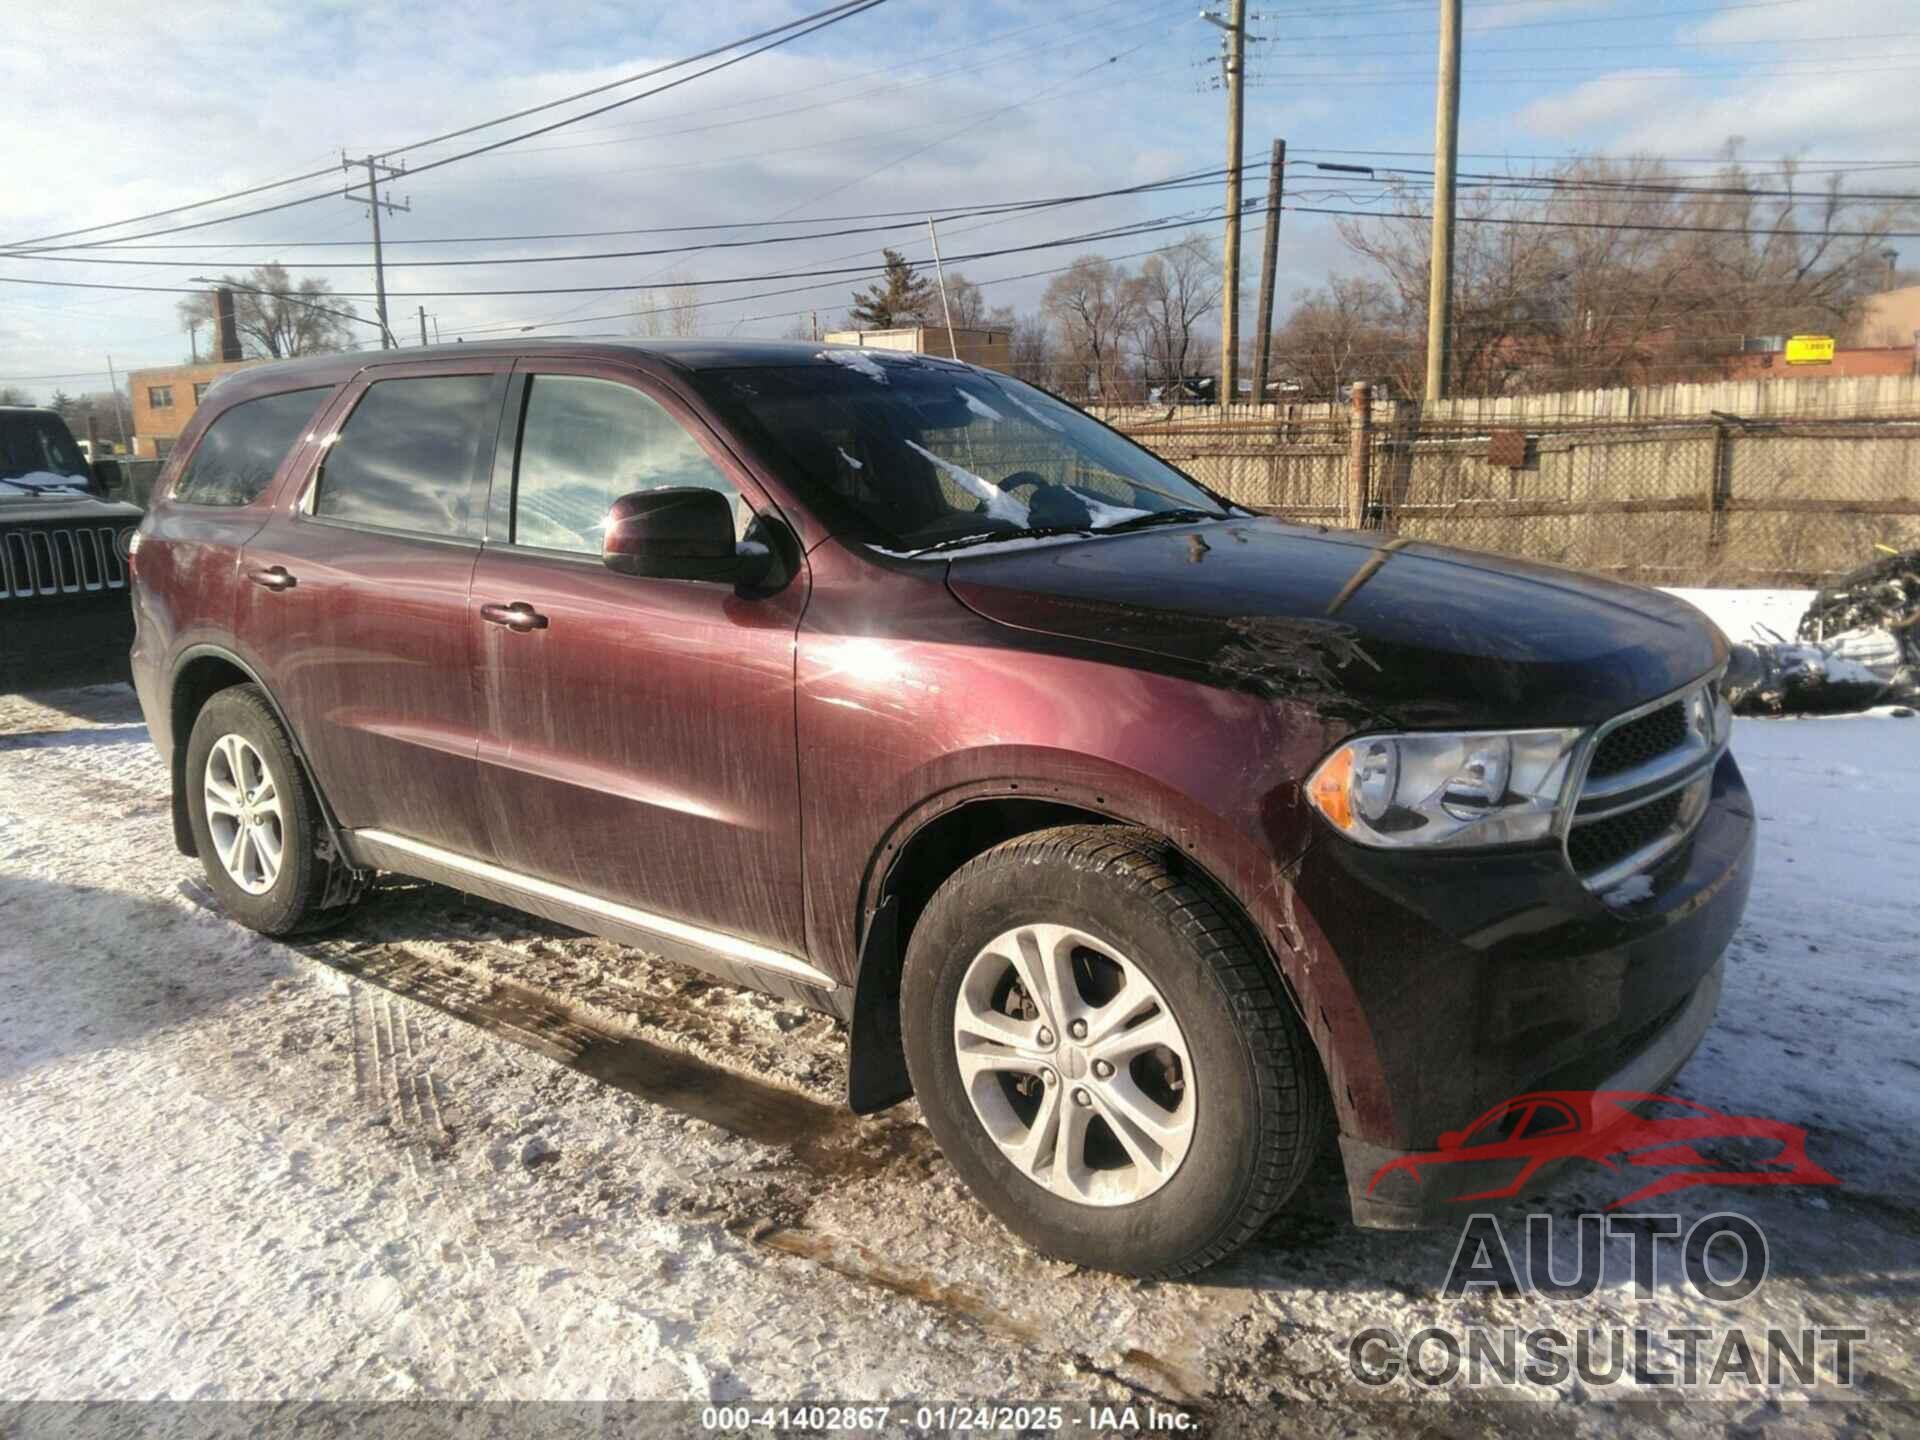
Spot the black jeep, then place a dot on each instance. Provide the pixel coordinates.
(63, 577)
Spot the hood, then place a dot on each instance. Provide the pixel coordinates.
(1373, 630)
(35, 499)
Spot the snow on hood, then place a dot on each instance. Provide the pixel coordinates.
(44, 485)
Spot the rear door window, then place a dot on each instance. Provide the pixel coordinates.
(405, 459)
(242, 450)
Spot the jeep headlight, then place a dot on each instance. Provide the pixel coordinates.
(1402, 791)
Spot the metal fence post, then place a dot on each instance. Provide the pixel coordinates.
(1359, 454)
(1720, 481)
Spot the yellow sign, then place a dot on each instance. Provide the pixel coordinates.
(1810, 350)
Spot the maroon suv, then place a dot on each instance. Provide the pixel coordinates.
(1139, 836)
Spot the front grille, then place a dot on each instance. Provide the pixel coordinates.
(1594, 846)
(68, 560)
(1639, 740)
(1646, 787)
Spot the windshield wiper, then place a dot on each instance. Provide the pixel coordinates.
(1160, 517)
(1025, 532)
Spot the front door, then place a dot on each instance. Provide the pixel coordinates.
(638, 738)
(354, 600)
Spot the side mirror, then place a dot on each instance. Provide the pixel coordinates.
(108, 478)
(1450, 1140)
(678, 533)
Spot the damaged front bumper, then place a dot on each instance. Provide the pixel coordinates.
(1482, 978)
(1406, 1199)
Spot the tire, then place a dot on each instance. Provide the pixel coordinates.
(238, 722)
(1234, 1136)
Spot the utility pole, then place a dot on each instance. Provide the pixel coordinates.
(1263, 316)
(1235, 63)
(423, 325)
(113, 381)
(377, 170)
(1446, 155)
(940, 274)
(193, 339)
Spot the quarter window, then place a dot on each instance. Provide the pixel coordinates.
(583, 444)
(405, 458)
(244, 447)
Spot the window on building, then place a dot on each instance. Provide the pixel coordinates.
(159, 397)
(405, 458)
(584, 444)
(200, 391)
(243, 449)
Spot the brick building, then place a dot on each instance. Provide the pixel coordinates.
(1847, 361)
(164, 400)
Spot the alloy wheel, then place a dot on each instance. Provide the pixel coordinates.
(1075, 1064)
(243, 814)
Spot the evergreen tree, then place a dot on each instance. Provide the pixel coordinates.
(900, 298)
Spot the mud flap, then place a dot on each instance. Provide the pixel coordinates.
(876, 1056)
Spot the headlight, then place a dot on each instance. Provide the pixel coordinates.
(1399, 791)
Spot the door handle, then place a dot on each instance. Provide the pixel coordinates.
(274, 577)
(517, 616)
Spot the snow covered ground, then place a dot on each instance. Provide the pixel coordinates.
(1751, 616)
(445, 1150)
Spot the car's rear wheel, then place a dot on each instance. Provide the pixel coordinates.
(255, 819)
(1103, 1053)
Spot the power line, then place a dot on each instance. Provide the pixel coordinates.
(857, 271)
(652, 134)
(794, 30)
(1766, 231)
(918, 215)
(1196, 180)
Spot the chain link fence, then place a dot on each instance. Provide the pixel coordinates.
(1695, 500)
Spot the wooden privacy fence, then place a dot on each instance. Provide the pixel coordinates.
(1667, 499)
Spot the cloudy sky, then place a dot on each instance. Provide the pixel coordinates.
(116, 110)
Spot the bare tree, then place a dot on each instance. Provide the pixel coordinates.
(1176, 290)
(1342, 332)
(672, 310)
(970, 308)
(1095, 308)
(1030, 350)
(277, 318)
(1619, 272)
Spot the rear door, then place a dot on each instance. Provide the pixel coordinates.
(354, 599)
(638, 736)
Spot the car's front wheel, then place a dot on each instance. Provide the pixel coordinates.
(256, 821)
(1103, 1053)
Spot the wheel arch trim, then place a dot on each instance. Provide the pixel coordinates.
(876, 1073)
(205, 650)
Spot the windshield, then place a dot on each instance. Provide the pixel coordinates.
(37, 450)
(908, 455)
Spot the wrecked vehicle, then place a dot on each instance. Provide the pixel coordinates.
(1146, 841)
(1858, 646)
